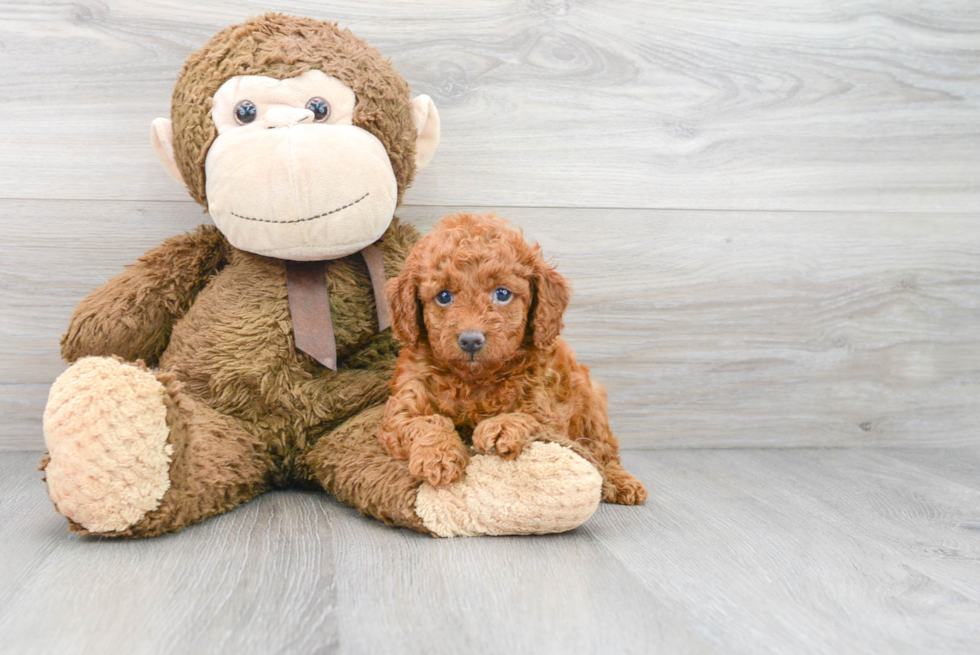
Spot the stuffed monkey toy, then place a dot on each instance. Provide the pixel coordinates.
(254, 354)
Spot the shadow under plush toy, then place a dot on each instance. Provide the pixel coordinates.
(210, 370)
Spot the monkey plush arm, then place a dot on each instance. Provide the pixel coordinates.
(131, 315)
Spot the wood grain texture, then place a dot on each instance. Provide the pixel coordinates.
(809, 551)
(765, 329)
(863, 105)
(220, 589)
(549, 594)
(791, 551)
(710, 328)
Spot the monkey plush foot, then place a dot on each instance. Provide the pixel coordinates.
(547, 489)
(106, 433)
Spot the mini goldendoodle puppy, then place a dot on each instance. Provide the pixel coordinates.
(478, 312)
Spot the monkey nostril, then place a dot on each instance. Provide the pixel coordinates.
(471, 340)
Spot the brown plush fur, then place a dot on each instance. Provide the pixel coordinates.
(248, 412)
(523, 385)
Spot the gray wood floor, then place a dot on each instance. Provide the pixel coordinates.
(738, 551)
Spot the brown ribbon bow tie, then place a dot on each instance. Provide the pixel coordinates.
(309, 304)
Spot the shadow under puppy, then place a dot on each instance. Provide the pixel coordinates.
(478, 312)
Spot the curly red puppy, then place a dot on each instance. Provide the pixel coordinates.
(478, 312)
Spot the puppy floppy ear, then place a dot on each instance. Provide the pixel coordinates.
(551, 295)
(402, 293)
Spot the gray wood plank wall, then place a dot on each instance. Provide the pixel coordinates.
(769, 214)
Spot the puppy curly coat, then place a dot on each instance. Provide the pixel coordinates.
(478, 312)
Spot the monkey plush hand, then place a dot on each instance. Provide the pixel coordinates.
(253, 354)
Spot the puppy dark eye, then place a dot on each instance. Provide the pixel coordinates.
(245, 112)
(443, 298)
(320, 109)
(502, 296)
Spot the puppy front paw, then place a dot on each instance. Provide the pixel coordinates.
(439, 460)
(505, 435)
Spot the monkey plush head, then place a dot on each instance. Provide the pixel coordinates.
(297, 136)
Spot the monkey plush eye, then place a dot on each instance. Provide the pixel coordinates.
(245, 112)
(502, 296)
(320, 109)
(444, 298)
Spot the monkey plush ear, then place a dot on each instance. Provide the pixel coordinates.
(162, 137)
(427, 126)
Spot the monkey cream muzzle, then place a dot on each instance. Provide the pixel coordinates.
(301, 191)
(290, 175)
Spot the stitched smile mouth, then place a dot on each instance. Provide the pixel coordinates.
(301, 220)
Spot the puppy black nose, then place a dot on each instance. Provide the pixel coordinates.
(471, 340)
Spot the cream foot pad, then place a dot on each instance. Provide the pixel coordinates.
(547, 489)
(106, 432)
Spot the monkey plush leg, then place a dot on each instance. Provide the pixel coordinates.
(618, 485)
(547, 489)
(351, 464)
(130, 454)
